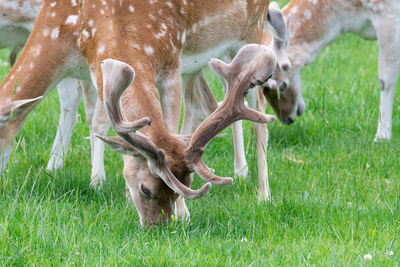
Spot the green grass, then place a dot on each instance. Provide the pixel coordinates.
(341, 204)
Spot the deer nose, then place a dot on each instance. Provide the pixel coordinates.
(271, 84)
(285, 66)
(283, 87)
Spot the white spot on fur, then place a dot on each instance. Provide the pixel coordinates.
(307, 14)
(53, 14)
(90, 23)
(149, 50)
(101, 49)
(31, 65)
(294, 10)
(135, 46)
(54, 33)
(86, 34)
(72, 19)
(53, 4)
(45, 32)
(162, 32)
(184, 37)
(37, 50)
(73, 3)
(131, 8)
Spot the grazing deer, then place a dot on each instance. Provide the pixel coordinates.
(16, 23)
(109, 42)
(200, 102)
(318, 23)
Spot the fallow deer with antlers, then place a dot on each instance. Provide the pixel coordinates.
(106, 41)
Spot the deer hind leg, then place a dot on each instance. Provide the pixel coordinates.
(89, 99)
(388, 36)
(199, 102)
(240, 164)
(257, 101)
(100, 126)
(70, 95)
(169, 87)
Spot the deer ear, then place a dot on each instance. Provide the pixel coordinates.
(220, 67)
(14, 109)
(119, 145)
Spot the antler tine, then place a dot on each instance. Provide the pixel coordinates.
(117, 76)
(253, 65)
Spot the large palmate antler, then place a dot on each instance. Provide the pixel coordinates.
(253, 65)
(117, 76)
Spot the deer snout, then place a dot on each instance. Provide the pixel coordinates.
(286, 66)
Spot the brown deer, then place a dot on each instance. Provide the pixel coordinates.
(107, 41)
(318, 23)
(16, 23)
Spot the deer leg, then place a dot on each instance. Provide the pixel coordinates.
(388, 68)
(170, 93)
(89, 93)
(100, 126)
(199, 102)
(70, 96)
(257, 101)
(240, 164)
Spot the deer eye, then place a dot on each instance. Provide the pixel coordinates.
(145, 191)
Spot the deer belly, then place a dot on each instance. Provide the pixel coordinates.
(11, 36)
(193, 62)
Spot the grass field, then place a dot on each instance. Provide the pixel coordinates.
(342, 203)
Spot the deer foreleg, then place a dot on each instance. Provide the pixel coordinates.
(70, 95)
(257, 101)
(100, 127)
(389, 64)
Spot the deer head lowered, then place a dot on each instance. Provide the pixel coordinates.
(168, 168)
(77, 36)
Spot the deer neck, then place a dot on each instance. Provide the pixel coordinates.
(314, 25)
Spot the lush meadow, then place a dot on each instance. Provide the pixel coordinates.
(336, 193)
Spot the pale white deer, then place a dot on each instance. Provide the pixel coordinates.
(109, 42)
(16, 23)
(318, 23)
